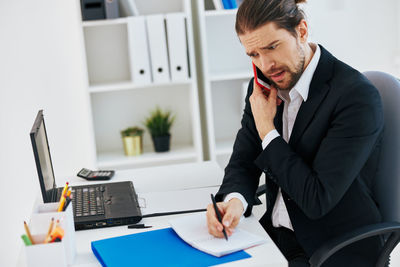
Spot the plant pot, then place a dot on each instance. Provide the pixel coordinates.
(133, 145)
(161, 143)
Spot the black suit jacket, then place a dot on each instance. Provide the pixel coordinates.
(327, 169)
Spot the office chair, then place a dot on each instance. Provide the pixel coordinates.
(387, 183)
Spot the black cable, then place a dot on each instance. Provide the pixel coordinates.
(171, 213)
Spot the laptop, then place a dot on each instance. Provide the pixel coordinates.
(94, 205)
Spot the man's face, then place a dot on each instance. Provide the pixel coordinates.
(277, 53)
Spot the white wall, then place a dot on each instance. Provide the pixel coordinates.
(362, 33)
(42, 66)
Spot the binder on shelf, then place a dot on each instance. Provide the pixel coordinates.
(233, 4)
(213, 4)
(158, 48)
(128, 8)
(111, 8)
(177, 46)
(92, 9)
(139, 51)
(229, 4)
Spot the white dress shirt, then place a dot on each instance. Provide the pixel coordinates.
(292, 101)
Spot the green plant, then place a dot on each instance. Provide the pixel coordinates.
(132, 131)
(159, 122)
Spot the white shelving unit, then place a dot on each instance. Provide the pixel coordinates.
(117, 102)
(225, 67)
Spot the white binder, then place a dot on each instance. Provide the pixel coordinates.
(158, 48)
(177, 46)
(139, 51)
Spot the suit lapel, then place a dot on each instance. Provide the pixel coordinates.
(318, 90)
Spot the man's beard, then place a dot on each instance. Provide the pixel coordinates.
(295, 75)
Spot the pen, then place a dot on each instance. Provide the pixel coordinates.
(28, 233)
(218, 215)
(67, 201)
(137, 226)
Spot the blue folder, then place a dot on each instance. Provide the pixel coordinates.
(155, 248)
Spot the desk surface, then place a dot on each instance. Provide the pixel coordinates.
(171, 178)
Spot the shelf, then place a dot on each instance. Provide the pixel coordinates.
(229, 75)
(222, 12)
(128, 85)
(103, 22)
(149, 157)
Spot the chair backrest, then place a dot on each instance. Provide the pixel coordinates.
(387, 183)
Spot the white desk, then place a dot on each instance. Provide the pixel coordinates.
(171, 178)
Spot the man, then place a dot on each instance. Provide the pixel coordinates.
(319, 148)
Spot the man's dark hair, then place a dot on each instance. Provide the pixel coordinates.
(255, 13)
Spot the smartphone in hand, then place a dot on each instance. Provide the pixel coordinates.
(261, 80)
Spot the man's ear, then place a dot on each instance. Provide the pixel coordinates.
(302, 31)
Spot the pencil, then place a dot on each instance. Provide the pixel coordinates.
(64, 190)
(49, 231)
(28, 233)
(62, 202)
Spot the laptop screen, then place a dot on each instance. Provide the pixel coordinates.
(43, 159)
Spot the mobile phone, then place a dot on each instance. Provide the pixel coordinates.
(260, 79)
(95, 175)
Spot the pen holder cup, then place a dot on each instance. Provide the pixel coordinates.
(39, 225)
(45, 255)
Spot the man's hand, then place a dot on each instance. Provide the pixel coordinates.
(264, 109)
(230, 211)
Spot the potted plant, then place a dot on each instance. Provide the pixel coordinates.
(159, 123)
(133, 141)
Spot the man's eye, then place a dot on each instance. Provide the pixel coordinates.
(272, 47)
(253, 55)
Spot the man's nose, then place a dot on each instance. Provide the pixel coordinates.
(267, 64)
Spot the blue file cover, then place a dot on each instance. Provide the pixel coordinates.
(155, 248)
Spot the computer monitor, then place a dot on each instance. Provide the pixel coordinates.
(44, 165)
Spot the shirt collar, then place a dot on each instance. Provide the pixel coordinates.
(302, 86)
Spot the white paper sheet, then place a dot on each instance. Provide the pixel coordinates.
(193, 230)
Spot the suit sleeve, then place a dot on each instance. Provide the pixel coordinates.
(316, 187)
(241, 173)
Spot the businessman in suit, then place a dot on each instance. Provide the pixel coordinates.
(316, 135)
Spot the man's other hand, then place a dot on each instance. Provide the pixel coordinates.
(230, 212)
(263, 107)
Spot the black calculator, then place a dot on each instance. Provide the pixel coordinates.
(95, 175)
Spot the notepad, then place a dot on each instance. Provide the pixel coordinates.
(155, 248)
(193, 230)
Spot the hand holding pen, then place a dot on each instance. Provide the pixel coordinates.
(218, 216)
(230, 213)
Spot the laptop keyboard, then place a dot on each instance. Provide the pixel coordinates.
(88, 201)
